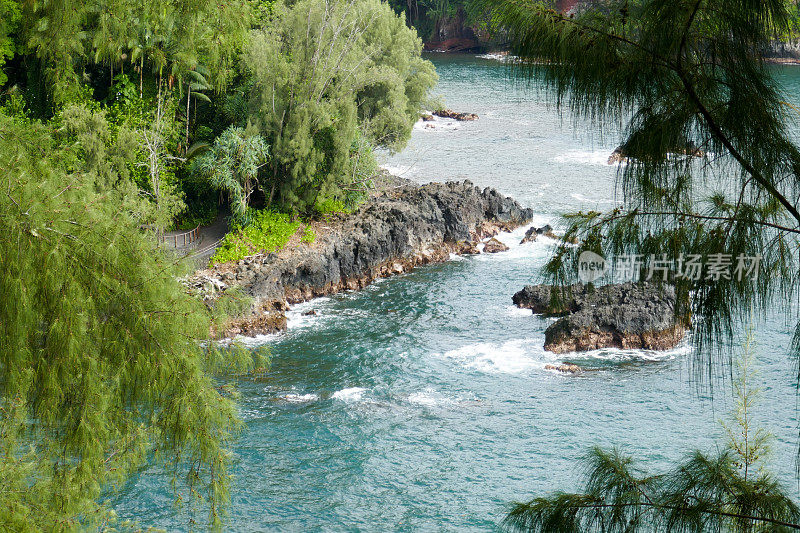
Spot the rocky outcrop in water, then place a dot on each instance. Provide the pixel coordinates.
(627, 316)
(621, 154)
(455, 115)
(395, 231)
(533, 233)
(494, 246)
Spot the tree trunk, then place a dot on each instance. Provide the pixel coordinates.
(188, 101)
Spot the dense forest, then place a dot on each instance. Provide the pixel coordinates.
(276, 106)
(120, 120)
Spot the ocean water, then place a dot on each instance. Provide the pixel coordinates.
(422, 402)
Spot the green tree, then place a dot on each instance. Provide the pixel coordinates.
(9, 18)
(101, 365)
(731, 490)
(232, 164)
(678, 75)
(154, 141)
(170, 38)
(320, 73)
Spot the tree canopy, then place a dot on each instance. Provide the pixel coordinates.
(100, 365)
(672, 77)
(118, 121)
(326, 75)
(712, 169)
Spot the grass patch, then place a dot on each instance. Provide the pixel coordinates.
(266, 231)
(309, 235)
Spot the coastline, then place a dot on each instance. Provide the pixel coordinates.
(400, 227)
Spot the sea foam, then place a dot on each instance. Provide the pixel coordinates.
(299, 398)
(350, 394)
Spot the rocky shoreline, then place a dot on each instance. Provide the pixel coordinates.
(405, 226)
(626, 316)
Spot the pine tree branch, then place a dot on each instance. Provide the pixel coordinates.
(694, 216)
(713, 512)
(717, 130)
(679, 70)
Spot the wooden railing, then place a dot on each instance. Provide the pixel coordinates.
(182, 239)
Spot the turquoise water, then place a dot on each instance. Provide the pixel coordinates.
(422, 403)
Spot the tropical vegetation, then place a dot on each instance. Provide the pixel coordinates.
(675, 77)
(120, 120)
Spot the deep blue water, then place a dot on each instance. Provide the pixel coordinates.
(422, 403)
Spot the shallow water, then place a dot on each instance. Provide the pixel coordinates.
(422, 403)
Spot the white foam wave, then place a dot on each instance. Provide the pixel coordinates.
(250, 342)
(513, 310)
(503, 57)
(538, 249)
(510, 357)
(298, 315)
(350, 394)
(522, 355)
(438, 124)
(429, 398)
(395, 170)
(584, 157)
(618, 355)
(299, 398)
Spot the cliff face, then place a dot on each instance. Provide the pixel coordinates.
(401, 228)
(453, 34)
(788, 51)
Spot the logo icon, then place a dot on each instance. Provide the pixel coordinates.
(591, 266)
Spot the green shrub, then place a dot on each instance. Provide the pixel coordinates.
(266, 231)
(329, 206)
(309, 235)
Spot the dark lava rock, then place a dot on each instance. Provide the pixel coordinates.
(493, 246)
(466, 248)
(534, 232)
(405, 226)
(449, 113)
(627, 316)
(530, 235)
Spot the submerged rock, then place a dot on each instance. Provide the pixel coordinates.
(567, 368)
(627, 316)
(494, 246)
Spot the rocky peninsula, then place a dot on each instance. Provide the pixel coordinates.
(403, 226)
(628, 316)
